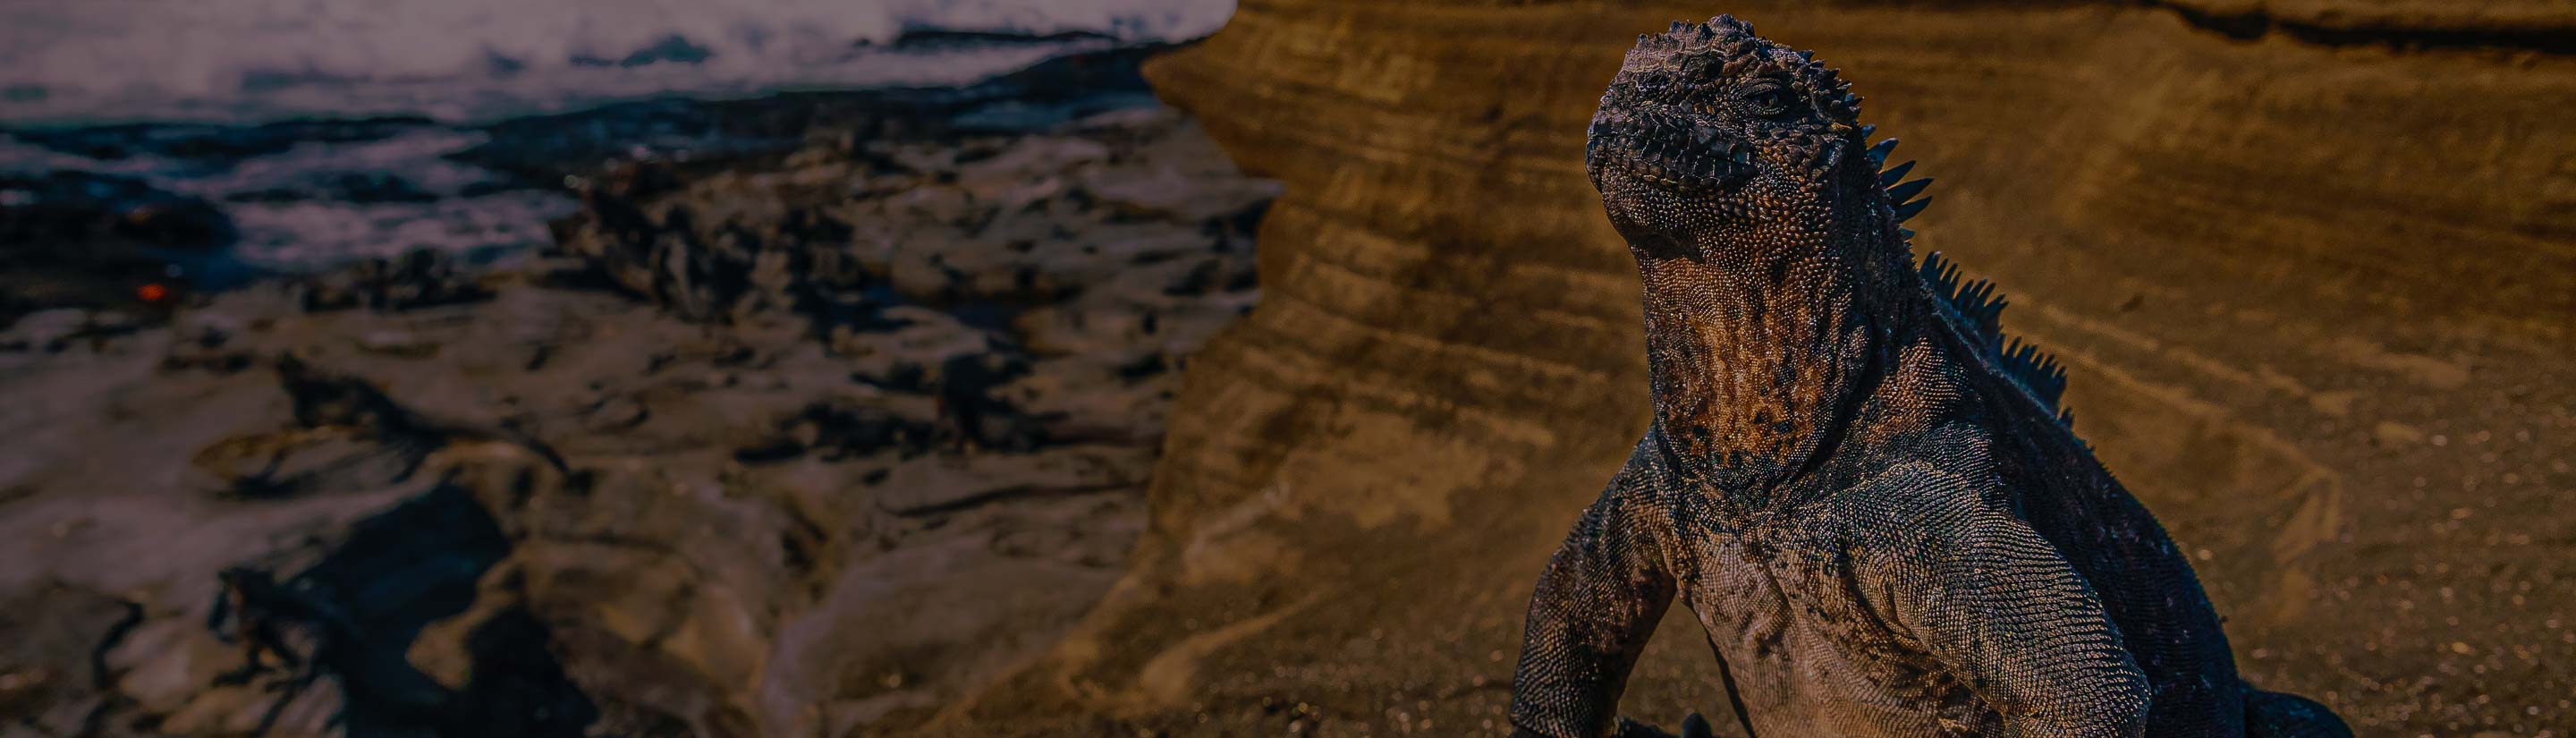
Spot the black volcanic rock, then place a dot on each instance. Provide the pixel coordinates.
(362, 188)
(211, 146)
(55, 210)
(810, 426)
(414, 280)
(76, 239)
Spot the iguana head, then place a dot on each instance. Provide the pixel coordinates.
(1710, 133)
(1735, 169)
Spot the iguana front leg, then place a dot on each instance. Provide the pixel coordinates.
(1595, 606)
(2014, 621)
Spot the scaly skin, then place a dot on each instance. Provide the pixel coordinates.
(1870, 501)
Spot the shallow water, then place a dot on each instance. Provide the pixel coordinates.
(319, 203)
(327, 136)
(101, 61)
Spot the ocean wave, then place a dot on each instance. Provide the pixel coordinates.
(80, 62)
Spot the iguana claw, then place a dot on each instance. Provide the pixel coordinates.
(1693, 726)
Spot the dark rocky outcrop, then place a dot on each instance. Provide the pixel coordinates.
(207, 145)
(85, 240)
(582, 494)
(85, 208)
(419, 279)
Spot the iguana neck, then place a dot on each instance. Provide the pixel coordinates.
(1761, 348)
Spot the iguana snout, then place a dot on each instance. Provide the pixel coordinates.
(1673, 149)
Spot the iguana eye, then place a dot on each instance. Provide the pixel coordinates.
(1767, 99)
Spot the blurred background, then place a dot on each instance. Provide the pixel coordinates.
(1165, 367)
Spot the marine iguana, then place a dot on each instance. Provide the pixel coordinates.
(1866, 494)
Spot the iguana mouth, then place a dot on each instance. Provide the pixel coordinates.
(1673, 152)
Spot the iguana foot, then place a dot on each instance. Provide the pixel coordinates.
(1692, 727)
(2280, 715)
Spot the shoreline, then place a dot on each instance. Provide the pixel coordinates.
(94, 213)
(863, 423)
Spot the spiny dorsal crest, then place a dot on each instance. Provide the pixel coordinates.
(1979, 307)
(1900, 195)
(1980, 310)
(1975, 299)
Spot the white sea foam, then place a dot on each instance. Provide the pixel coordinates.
(302, 233)
(75, 63)
(89, 61)
(313, 231)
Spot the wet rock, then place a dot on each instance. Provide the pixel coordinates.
(617, 412)
(213, 147)
(53, 330)
(986, 222)
(52, 658)
(418, 279)
(767, 453)
(396, 343)
(43, 213)
(969, 409)
(947, 483)
(844, 430)
(44, 327)
(362, 188)
(641, 179)
(283, 465)
(204, 342)
(930, 39)
(709, 266)
(1173, 195)
(76, 239)
(352, 615)
(1028, 159)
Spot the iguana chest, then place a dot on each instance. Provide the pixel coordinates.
(1811, 650)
